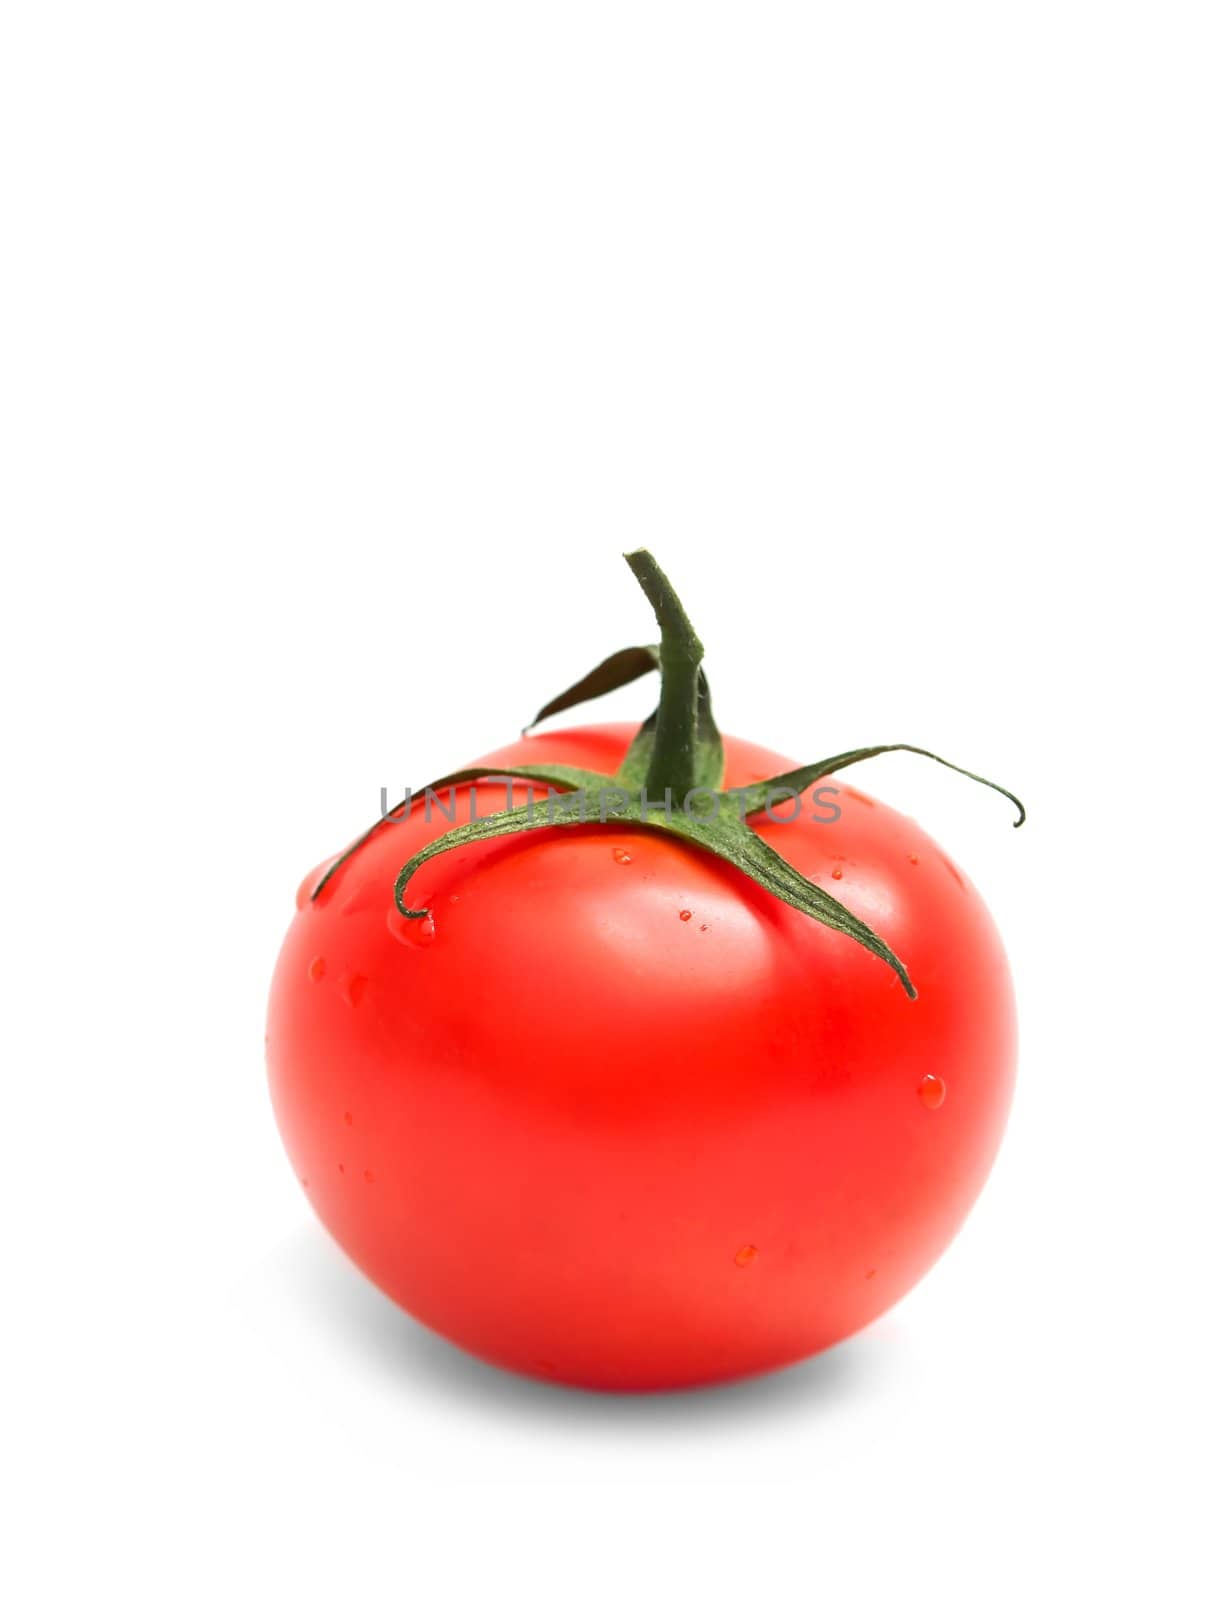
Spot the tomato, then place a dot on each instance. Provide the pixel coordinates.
(644, 1093)
(615, 1116)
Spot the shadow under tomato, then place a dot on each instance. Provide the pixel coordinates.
(330, 1291)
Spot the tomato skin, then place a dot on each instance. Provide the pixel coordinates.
(594, 1140)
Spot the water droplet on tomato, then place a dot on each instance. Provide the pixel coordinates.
(684, 916)
(745, 1255)
(954, 870)
(355, 988)
(703, 927)
(913, 860)
(932, 1091)
(303, 894)
(837, 872)
(414, 933)
(623, 858)
(316, 971)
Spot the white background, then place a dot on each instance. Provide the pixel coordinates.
(344, 349)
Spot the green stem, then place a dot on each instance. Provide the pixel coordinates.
(676, 750)
(672, 762)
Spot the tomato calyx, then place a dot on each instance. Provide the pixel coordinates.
(669, 780)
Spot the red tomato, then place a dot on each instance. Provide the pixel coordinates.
(617, 1117)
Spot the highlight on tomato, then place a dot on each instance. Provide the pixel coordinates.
(639, 1057)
